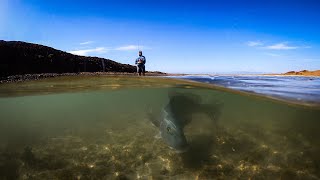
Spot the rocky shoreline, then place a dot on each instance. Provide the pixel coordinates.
(22, 58)
(22, 61)
(29, 77)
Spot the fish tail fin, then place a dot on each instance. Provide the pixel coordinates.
(213, 110)
(215, 115)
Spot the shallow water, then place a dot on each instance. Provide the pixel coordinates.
(98, 128)
(294, 88)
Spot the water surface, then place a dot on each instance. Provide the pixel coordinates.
(294, 88)
(98, 128)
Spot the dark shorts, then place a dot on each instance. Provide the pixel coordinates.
(141, 68)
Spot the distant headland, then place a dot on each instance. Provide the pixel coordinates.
(300, 73)
(23, 61)
(304, 73)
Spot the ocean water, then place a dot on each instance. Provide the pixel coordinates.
(98, 128)
(293, 88)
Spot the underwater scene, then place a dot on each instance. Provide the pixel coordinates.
(103, 127)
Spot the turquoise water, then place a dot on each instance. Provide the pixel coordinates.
(98, 128)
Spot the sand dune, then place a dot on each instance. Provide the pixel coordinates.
(304, 73)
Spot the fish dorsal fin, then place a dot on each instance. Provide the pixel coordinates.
(179, 108)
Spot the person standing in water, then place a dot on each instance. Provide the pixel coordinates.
(140, 62)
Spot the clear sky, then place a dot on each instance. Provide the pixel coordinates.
(181, 36)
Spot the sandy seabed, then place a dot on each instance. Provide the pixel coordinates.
(135, 153)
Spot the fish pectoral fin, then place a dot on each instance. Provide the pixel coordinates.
(158, 136)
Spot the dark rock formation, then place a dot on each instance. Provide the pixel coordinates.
(18, 58)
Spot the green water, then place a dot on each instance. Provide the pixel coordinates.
(98, 128)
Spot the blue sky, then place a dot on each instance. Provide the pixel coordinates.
(181, 36)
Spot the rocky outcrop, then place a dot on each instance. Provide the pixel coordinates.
(18, 58)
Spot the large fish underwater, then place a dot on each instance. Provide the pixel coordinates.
(175, 115)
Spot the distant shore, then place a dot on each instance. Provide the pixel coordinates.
(290, 73)
(298, 73)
